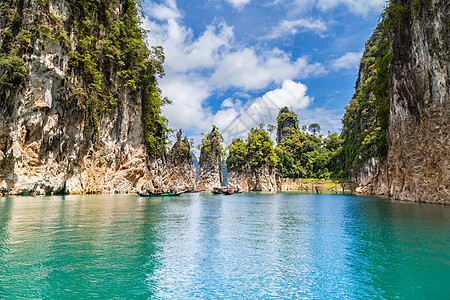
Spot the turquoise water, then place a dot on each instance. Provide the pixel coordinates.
(245, 246)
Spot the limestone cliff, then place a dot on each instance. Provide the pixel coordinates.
(363, 134)
(417, 163)
(72, 96)
(257, 179)
(237, 179)
(251, 164)
(253, 179)
(287, 123)
(210, 171)
(180, 169)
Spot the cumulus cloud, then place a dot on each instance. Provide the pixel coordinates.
(347, 61)
(187, 95)
(292, 27)
(165, 11)
(199, 66)
(250, 70)
(236, 121)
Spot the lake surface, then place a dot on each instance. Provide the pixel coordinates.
(245, 246)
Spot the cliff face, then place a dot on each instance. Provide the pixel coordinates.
(287, 123)
(180, 169)
(417, 164)
(238, 179)
(210, 171)
(54, 137)
(251, 164)
(363, 134)
(253, 179)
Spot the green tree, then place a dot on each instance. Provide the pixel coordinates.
(314, 128)
(260, 152)
(237, 156)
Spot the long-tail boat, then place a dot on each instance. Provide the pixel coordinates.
(163, 192)
(191, 190)
(226, 190)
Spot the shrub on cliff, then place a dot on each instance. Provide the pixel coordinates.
(366, 117)
(211, 146)
(109, 61)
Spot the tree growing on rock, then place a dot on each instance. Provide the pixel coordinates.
(211, 153)
(287, 123)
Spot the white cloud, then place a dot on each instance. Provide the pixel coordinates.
(238, 3)
(227, 103)
(361, 7)
(165, 11)
(187, 95)
(292, 94)
(250, 70)
(196, 67)
(237, 121)
(292, 27)
(347, 61)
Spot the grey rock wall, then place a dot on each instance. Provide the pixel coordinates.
(417, 164)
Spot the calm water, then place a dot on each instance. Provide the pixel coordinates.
(260, 246)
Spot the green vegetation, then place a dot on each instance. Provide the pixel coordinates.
(108, 58)
(287, 122)
(260, 151)
(304, 155)
(366, 118)
(300, 155)
(211, 146)
(314, 128)
(12, 74)
(237, 156)
(181, 150)
(255, 152)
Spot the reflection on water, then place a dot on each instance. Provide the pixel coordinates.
(285, 245)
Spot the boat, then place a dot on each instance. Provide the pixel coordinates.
(192, 190)
(226, 190)
(218, 190)
(164, 192)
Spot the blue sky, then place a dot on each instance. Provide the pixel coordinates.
(234, 63)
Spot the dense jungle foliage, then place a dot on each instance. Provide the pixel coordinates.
(108, 58)
(255, 152)
(287, 123)
(366, 118)
(300, 155)
(303, 154)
